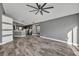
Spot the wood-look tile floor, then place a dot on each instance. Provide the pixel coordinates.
(35, 46)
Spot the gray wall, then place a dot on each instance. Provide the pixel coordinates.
(58, 28)
(78, 30)
(0, 23)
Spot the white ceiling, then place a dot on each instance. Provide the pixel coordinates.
(20, 12)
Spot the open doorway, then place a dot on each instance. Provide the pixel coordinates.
(72, 36)
(38, 29)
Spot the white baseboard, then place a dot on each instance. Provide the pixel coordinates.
(53, 39)
(20, 36)
(59, 40)
(6, 42)
(34, 34)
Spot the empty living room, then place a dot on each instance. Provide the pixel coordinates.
(39, 29)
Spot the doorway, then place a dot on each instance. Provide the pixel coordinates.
(72, 36)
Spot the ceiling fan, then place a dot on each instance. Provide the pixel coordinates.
(40, 8)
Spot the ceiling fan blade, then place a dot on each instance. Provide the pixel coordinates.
(36, 12)
(48, 8)
(38, 5)
(46, 11)
(43, 5)
(31, 6)
(41, 12)
(32, 10)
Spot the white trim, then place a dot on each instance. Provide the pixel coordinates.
(6, 42)
(75, 44)
(53, 39)
(19, 35)
(69, 43)
(34, 34)
(59, 40)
